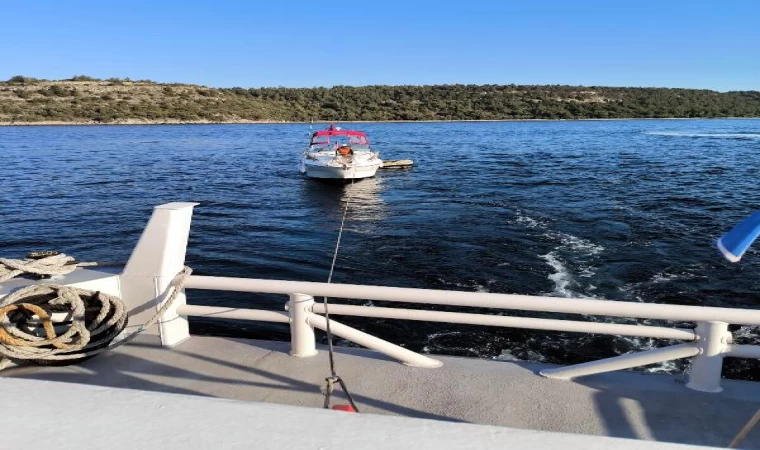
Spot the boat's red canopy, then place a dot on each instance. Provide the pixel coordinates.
(354, 137)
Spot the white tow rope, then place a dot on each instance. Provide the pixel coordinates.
(334, 377)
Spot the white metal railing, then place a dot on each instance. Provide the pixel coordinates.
(708, 343)
(160, 255)
(483, 300)
(508, 321)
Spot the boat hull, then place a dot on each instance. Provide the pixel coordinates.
(340, 172)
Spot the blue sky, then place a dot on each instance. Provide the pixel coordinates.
(694, 44)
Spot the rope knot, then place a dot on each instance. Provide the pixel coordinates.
(39, 263)
(329, 386)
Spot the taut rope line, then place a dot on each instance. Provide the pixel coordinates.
(334, 377)
(745, 430)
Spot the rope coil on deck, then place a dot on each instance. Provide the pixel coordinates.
(39, 263)
(91, 320)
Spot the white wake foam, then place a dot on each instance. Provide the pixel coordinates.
(471, 286)
(569, 259)
(576, 244)
(705, 135)
(644, 344)
(443, 334)
(529, 355)
(747, 334)
(527, 221)
(565, 277)
(662, 277)
(688, 272)
(561, 277)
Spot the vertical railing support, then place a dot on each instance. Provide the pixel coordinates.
(302, 340)
(156, 260)
(706, 367)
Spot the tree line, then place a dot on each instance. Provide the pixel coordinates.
(88, 99)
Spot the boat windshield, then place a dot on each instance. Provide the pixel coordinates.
(332, 140)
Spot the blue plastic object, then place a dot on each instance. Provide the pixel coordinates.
(734, 243)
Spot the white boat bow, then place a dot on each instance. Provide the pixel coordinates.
(339, 155)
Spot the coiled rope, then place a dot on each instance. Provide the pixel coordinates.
(334, 377)
(40, 263)
(91, 319)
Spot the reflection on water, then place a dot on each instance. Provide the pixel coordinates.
(329, 198)
(624, 210)
(367, 204)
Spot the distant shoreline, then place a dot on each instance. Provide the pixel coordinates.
(275, 122)
(86, 101)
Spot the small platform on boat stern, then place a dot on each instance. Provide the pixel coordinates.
(510, 394)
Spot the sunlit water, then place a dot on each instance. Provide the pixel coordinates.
(619, 210)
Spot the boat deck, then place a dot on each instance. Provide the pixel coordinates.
(511, 394)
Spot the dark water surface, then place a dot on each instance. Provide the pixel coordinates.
(621, 210)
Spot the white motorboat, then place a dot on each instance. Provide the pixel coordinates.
(337, 154)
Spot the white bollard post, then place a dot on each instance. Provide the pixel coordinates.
(157, 258)
(302, 340)
(712, 340)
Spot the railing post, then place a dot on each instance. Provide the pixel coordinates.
(155, 261)
(706, 367)
(302, 340)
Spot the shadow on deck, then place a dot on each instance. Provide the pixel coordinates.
(626, 404)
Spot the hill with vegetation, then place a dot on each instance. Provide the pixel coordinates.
(83, 99)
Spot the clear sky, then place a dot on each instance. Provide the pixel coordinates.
(694, 44)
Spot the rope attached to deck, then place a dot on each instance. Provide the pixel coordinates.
(745, 430)
(40, 263)
(334, 377)
(92, 321)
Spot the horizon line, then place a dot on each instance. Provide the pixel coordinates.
(146, 80)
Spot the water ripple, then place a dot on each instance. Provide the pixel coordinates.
(622, 210)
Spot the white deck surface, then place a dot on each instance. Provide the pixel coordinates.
(110, 418)
(626, 404)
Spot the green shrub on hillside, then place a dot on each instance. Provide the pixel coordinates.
(20, 79)
(22, 93)
(131, 100)
(83, 78)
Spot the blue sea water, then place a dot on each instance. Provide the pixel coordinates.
(619, 210)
